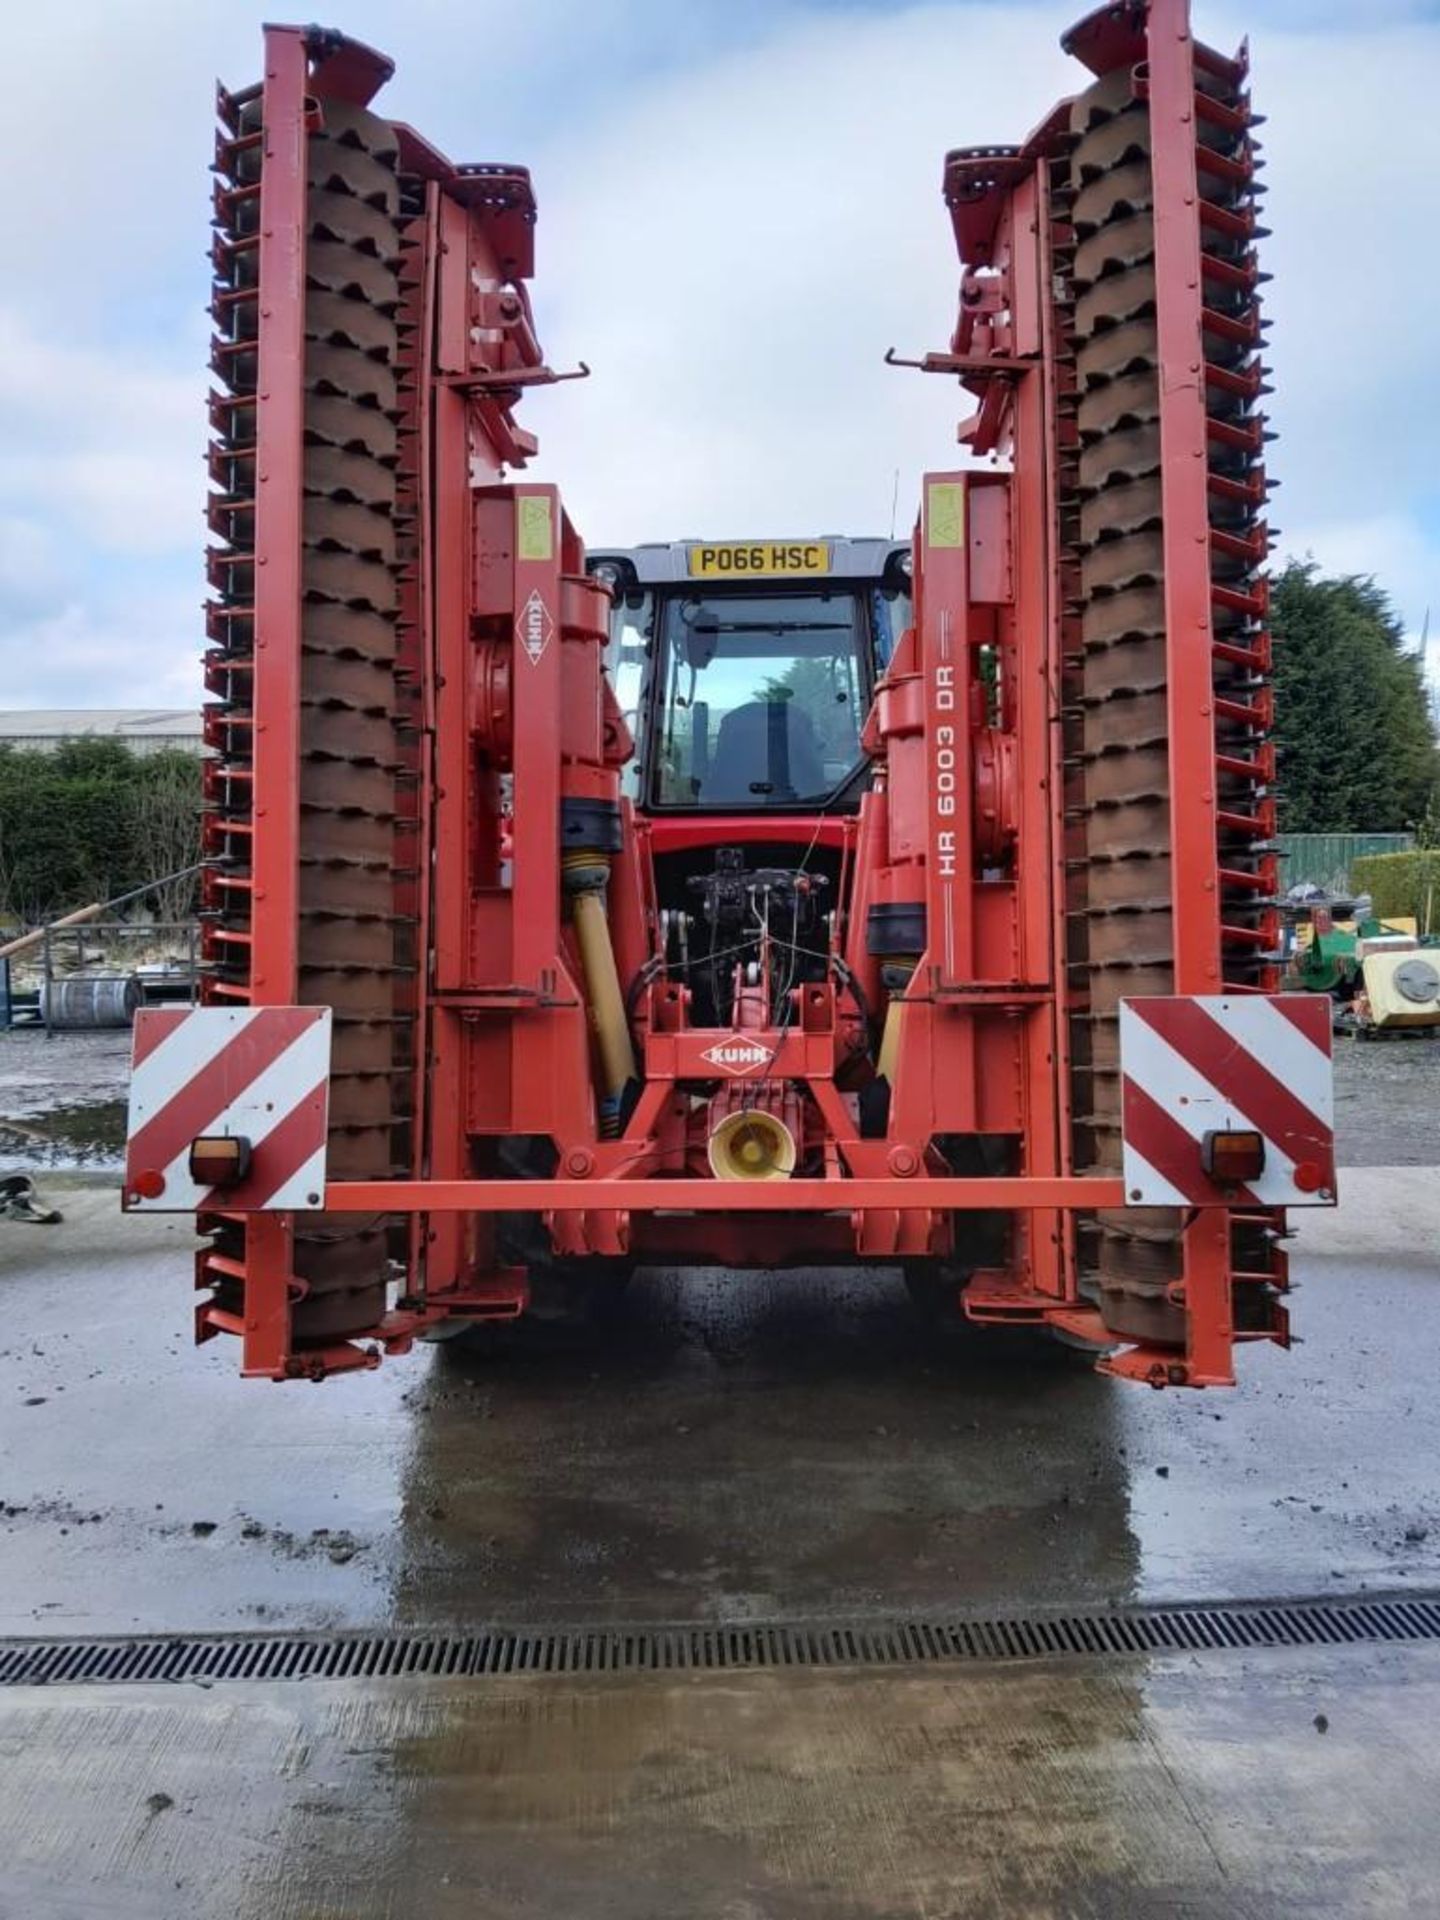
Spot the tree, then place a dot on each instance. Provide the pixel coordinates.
(1357, 741)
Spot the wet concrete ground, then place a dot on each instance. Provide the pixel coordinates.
(732, 1447)
(1195, 1789)
(1387, 1101)
(62, 1099)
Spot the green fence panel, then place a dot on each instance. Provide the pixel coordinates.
(1325, 859)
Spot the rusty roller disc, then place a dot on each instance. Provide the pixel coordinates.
(1119, 784)
(1125, 890)
(331, 938)
(1112, 93)
(348, 783)
(1127, 776)
(1129, 832)
(1126, 719)
(354, 1150)
(349, 992)
(335, 630)
(1129, 617)
(1116, 884)
(358, 682)
(1124, 509)
(1125, 936)
(348, 788)
(347, 732)
(341, 268)
(347, 172)
(1111, 566)
(350, 579)
(352, 130)
(330, 880)
(361, 1099)
(1124, 452)
(348, 696)
(331, 835)
(1124, 946)
(339, 474)
(1116, 300)
(1115, 246)
(1119, 142)
(356, 223)
(1130, 399)
(1129, 348)
(370, 1044)
(1122, 190)
(349, 424)
(348, 323)
(351, 524)
(1116, 667)
(352, 375)
(1121, 618)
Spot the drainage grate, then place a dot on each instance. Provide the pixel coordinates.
(504, 1650)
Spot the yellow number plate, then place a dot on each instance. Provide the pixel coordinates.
(738, 559)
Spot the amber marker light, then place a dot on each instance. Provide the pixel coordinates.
(219, 1160)
(1233, 1157)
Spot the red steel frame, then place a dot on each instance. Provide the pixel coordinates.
(968, 795)
(279, 458)
(1169, 53)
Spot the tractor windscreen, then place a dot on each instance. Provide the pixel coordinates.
(760, 699)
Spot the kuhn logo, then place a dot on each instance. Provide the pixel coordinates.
(534, 626)
(737, 1055)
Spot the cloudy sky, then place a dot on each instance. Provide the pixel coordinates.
(739, 213)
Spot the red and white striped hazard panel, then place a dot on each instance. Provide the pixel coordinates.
(1206, 1064)
(257, 1074)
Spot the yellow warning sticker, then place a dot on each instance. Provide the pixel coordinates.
(535, 533)
(946, 518)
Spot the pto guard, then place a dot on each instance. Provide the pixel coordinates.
(258, 1074)
(1195, 1065)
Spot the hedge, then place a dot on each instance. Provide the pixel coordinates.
(91, 820)
(1401, 883)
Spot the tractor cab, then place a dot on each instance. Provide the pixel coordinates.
(745, 669)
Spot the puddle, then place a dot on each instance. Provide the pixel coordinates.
(90, 1134)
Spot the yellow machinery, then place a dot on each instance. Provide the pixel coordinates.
(1401, 990)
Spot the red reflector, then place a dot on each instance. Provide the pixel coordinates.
(1232, 1158)
(219, 1160)
(150, 1184)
